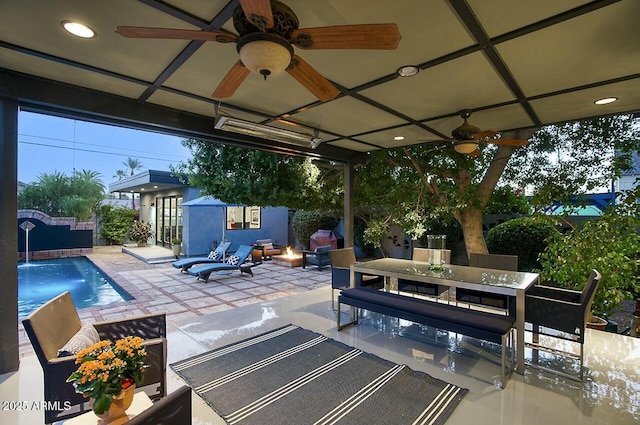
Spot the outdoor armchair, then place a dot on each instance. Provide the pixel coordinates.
(341, 261)
(318, 257)
(560, 313)
(269, 248)
(52, 325)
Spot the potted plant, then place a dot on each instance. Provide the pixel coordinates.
(140, 232)
(108, 374)
(176, 246)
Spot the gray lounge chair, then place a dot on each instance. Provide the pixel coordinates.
(235, 262)
(187, 263)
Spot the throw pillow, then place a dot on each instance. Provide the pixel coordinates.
(233, 260)
(84, 338)
(214, 255)
(268, 246)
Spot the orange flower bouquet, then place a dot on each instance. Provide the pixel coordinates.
(106, 369)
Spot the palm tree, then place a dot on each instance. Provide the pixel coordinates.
(132, 164)
(120, 174)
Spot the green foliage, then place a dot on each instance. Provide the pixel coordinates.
(504, 200)
(306, 223)
(59, 195)
(115, 222)
(447, 226)
(247, 176)
(609, 244)
(525, 237)
(563, 161)
(132, 164)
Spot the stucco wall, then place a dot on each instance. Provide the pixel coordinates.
(203, 225)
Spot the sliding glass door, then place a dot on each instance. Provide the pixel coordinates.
(169, 219)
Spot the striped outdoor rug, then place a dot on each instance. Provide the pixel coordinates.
(294, 376)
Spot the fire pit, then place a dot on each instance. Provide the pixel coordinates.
(288, 259)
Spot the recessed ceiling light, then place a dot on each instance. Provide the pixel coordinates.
(155, 187)
(142, 188)
(78, 29)
(605, 100)
(398, 138)
(408, 71)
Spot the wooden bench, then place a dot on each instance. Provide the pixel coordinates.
(474, 323)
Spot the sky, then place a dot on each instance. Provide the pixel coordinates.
(47, 144)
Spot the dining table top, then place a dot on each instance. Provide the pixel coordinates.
(497, 281)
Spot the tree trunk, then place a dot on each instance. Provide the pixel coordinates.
(471, 221)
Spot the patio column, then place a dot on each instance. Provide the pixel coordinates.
(9, 359)
(348, 206)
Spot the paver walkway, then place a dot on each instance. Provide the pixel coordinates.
(162, 288)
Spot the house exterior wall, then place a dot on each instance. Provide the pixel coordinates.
(203, 225)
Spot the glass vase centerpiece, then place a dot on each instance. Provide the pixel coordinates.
(437, 245)
(108, 374)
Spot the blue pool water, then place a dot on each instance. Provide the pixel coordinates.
(39, 281)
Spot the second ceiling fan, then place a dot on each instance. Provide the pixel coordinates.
(267, 31)
(466, 137)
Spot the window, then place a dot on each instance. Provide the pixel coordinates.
(244, 218)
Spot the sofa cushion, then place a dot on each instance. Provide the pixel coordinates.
(84, 338)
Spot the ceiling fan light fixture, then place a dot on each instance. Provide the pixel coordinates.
(408, 71)
(265, 53)
(465, 147)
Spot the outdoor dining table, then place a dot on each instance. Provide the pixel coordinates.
(510, 283)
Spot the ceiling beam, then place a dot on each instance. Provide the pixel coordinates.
(46, 96)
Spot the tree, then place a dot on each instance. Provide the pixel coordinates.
(59, 195)
(240, 175)
(120, 174)
(411, 186)
(132, 164)
(559, 163)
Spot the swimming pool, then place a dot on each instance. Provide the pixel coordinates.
(39, 281)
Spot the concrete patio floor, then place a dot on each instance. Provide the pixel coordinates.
(203, 316)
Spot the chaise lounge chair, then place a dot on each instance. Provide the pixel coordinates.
(213, 257)
(233, 262)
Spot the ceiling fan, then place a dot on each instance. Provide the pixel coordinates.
(466, 137)
(267, 31)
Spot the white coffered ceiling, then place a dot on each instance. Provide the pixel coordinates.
(514, 63)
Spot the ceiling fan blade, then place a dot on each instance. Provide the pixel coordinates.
(485, 134)
(258, 12)
(177, 34)
(231, 81)
(509, 142)
(311, 79)
(365, 36)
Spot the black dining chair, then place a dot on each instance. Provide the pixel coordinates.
(422, 288)
(489, 261)
(341, 261)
